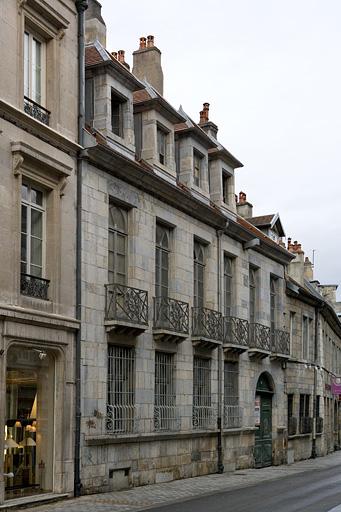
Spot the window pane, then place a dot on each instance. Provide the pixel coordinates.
(26, 65)
(36, 197)
(36, 71)
(36, 271)
(36, 223)
(24, 219)
(121, 244)
(36, 251)
(24, 249)
(24, 192)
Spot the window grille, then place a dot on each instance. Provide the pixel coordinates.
(165, 417)
(199, 268)
(232, 411)
(121, 390)
(117, 257)
(162, 261)
(228, 263)
(202, 407)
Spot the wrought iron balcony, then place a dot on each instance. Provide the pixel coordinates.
(126, 308)
(166, 418)
(171, 319)
(232, 416)
(306, 425)
(35, 110)
(207, 327)
(34, 286)
(121, 419)
(260, 341)
(292, 426)
(319, 425)
(204, 417)
(236, 334)
(281, 342)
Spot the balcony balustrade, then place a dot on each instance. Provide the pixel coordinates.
(35, 110)
(171, 319)
(259, 341)
(236, 334)
(126, 309)
(232, 417)
(34, 286)
(207, 327)
(280, 344)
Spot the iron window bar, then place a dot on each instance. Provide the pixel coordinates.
(35, 110)
(34, 286)
(171, 314)
(236, 331)
(166, 417)
(126, 304)
(207, 323)
(232, 416)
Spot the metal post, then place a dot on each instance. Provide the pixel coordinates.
(220, 468)
(313, 444)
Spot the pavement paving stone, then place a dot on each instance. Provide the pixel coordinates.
(140, 498)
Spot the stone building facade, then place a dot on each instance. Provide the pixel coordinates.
(38, 147)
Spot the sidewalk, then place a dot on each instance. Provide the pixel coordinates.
(140, 498)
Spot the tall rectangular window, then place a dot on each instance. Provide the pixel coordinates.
(252, 294)
(202, 413)
(161, 145)
(305, 337)
(292, 330)
(232, 418)
(121, 389)
(227, 185)
(89, 100)
(117, 103)
(290, 406)
(32, 230)
(164, 398)
(228, 283)
(162, 260)
(197, 165)
(117, 245)
(199, 269)
(273, 306)
(34, 68)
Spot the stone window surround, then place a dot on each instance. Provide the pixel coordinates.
(227, 181)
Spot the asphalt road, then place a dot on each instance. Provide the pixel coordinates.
(313, 491)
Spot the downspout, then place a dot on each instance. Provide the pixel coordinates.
(316, 338)
(81, 6)
(220, 466)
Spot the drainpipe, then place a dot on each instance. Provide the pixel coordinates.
(313, 444)
(220, 468)
(81, 6)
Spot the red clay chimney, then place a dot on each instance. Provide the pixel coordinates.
(150, 41)
(242, 197)
(114, 55)
(143, 41)
(120, 56)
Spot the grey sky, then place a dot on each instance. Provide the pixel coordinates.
(271, 72)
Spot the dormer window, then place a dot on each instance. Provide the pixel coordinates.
(197, 166)
(227, 183)
(161, 145)
(117, 103)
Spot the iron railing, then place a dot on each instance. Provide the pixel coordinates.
(207, 323)
(306, 425)
(121, 419)
(35, 110)
(319, 425)
(171, 314)
(260, 337)
(204, 417)
(292, 426)
(34, 286)
(166, 418)
(232, 416)
(281, 342)
(126, 304)
(236, 331)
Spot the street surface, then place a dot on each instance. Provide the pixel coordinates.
(311, 485)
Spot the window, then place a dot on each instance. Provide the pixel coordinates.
(228, 265)
(89, 100)
(290, 406)
(305, 420)
(202, 413)
(121, 389)
(227, 179)
(291, 330)
(232, 417)
(199, 268)
(117, 103)
(164, 404)
(252, 294)
(161, 145)
(197, 164)
(273, 300)
(34, 68)
(305, 337)
(117, 243)
(317, 406)
(32, 231)
(162, 261)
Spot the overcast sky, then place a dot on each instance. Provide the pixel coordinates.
(271, 71)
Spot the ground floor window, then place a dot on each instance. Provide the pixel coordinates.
(232, 413)
(165, 417)
(202, 401)
(29, 422)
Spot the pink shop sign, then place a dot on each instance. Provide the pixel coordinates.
(336, 386)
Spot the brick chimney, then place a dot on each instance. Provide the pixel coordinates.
(296, 268)
(147, 63)
(244, 208)
(205, 123)
(94, 24)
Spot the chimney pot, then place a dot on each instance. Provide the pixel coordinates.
(114, 55)
(143, 41)
(242, 197)
(120, 56)
(150, 41)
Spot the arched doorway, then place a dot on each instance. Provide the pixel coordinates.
(263, 411)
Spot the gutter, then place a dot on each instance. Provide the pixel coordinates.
(220, 465)
(81, 6)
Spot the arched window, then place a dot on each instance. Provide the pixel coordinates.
(162, 260)
(118, 232)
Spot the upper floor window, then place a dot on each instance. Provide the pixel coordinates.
(227, 184)
(228, 282)
(305, 337)
(161, 145)
(117, 245)
(199, 268)
(252, 294)
(35, 77)
(117, 103)
(164, 397)
(202, 414)
(162, 260)
(292, 329)
(197, 167)
(89, 100)
(231, 395)
(273, 300)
